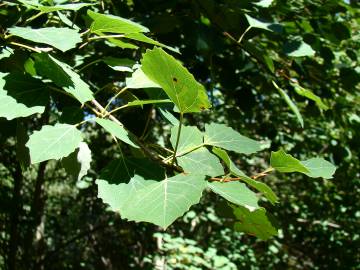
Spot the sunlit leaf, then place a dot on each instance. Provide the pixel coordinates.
(116, 130)
(48, 143)
(236, 193)
(61, 38)
(178, 83)
(78, 162)
(225, 137)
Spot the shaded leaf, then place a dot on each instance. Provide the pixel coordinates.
(63, 76)
(254, 223)
(78, 162)
(255, 23)
(178, 83)
(123, 169)
(310, 95)
(290, 103)
(21, 95)
(48, 143)
(42, 8)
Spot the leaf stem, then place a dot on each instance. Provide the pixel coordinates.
(243, 34)
(178, 137)
(25, 46)
(115, 96)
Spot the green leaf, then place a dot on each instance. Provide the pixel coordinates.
(21, 95)
(161, 203)
(290, 103)
(236, 193)
(263, 3)
(227, 138)
(140, 80)
(283, 162)
(77, 164)
(119, 64)
(116, 130)
(201, 161)
(262, 187)
(141, 37)
(225, 157)
(254, 223)
(123, 169)
(42, 8)
(116, 195)
(53, 142)
(143, 102)
(298, 48)
(255, 23)
(190, 138)
(310, 95)
(314, 167)
(113, 24)
(63, 76)
(319, 167)
(61, 38)
(178, 83)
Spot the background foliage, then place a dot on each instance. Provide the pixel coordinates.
(50, 220)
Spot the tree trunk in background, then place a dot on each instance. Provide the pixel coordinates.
(14, 219)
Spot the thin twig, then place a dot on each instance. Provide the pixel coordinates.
(177, 138)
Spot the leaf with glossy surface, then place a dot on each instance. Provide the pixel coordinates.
(53, 142)
(290, 103)
(190, 138)
(61, 38)
(63, 76)
(161, 203)
(201, 161)
(77, 164)
(178, 83)
(113, 24)
(283, 162)
(116, 130)
(236, 193)
(21, 95)
(263, 3)
(254, 223)
(225, 137)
